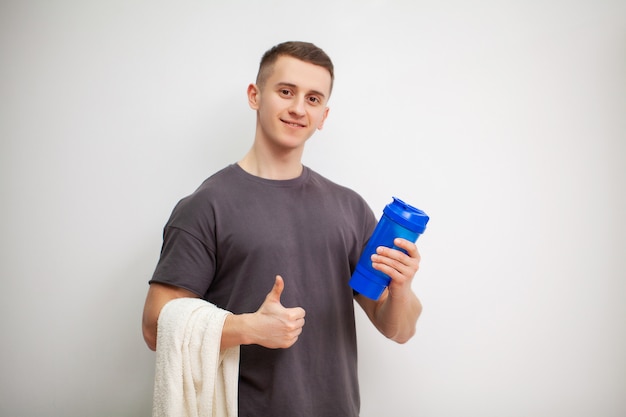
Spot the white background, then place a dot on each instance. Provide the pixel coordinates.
(504, 120)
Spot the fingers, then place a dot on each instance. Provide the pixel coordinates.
(274, 296)
(297, 313)
(412, 254)
(408, 246)
(277, 290)
(396, 263)
(291, 314)
(294, 313)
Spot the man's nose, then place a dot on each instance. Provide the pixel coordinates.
(297, 106)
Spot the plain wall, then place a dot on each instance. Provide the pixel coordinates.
(504, 120)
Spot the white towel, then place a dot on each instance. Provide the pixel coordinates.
(192, 378)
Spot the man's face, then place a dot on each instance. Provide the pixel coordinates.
(291, 104)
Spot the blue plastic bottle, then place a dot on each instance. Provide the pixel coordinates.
(399, 220)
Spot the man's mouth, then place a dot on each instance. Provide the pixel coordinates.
(292, 124)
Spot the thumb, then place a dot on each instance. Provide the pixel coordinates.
(277, 290)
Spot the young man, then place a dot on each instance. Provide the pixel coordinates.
(271, 241)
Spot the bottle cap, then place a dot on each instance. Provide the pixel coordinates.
(406, 215)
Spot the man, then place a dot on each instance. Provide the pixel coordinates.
(271, 241)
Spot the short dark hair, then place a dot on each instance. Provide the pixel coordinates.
(304, 51)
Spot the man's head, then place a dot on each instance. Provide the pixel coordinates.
(291, 94)
(304, 51)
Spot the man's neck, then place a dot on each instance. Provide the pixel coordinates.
(270, 166)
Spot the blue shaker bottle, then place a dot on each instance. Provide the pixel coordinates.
(399, 220)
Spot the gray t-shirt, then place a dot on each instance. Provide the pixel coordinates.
(228, 240)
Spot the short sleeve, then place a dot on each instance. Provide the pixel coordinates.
(185, 262)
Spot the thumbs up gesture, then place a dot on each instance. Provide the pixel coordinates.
(277, 326)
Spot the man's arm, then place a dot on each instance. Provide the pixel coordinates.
(158, 296)
(396, 312)
(272, 325)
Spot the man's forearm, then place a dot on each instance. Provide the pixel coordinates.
(396, 318)
(235, 331)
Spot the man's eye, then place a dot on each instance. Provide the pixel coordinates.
(314, 100)
(285, 92)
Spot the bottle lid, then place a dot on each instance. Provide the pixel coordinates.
(406, 215)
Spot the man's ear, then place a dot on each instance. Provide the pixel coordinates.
(321, 124)
(254, 93)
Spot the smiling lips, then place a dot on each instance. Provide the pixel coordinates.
(292, 124)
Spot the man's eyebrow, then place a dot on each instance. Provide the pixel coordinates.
(286, 84)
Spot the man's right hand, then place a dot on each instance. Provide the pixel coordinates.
(276, 326)
(272, 325)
